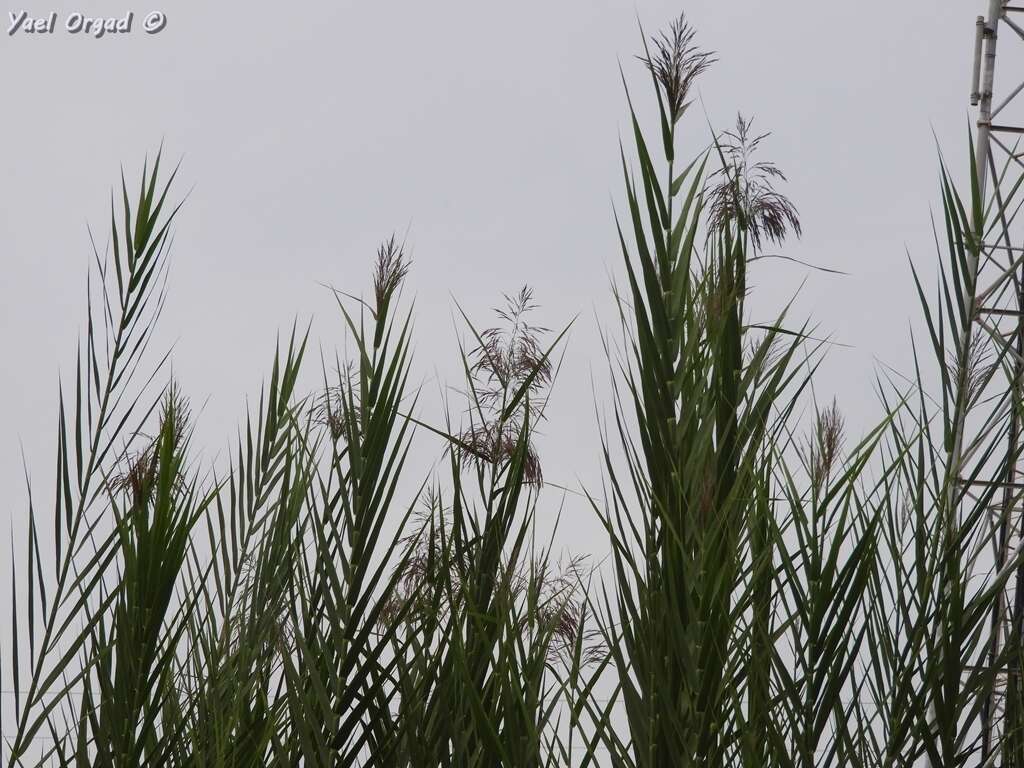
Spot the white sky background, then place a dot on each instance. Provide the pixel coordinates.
(487, 131)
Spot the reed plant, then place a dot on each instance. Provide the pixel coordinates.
(776, 594)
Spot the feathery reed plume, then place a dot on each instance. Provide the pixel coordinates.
(507, 359)
(559, 603)
(676, 63)
(508, 356)
(429, 566)
(429, 587)
(825, 445)
(496, 443)
(743, 191)
(978, 365)
(337, 407)
(140, 468)
(764, 351)
(391, 268)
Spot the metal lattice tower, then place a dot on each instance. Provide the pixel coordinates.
(994, 340)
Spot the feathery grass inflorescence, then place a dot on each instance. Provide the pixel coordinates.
(771, 598)
(743, 190)
(508, 361)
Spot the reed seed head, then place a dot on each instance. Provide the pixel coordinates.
(676, 63)
(337, 407)
(743, 192)
(508, 359)
(826, 445)
(391, 268)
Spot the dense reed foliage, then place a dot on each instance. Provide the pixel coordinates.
(771, 599)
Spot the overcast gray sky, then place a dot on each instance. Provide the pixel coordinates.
(488, 132)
